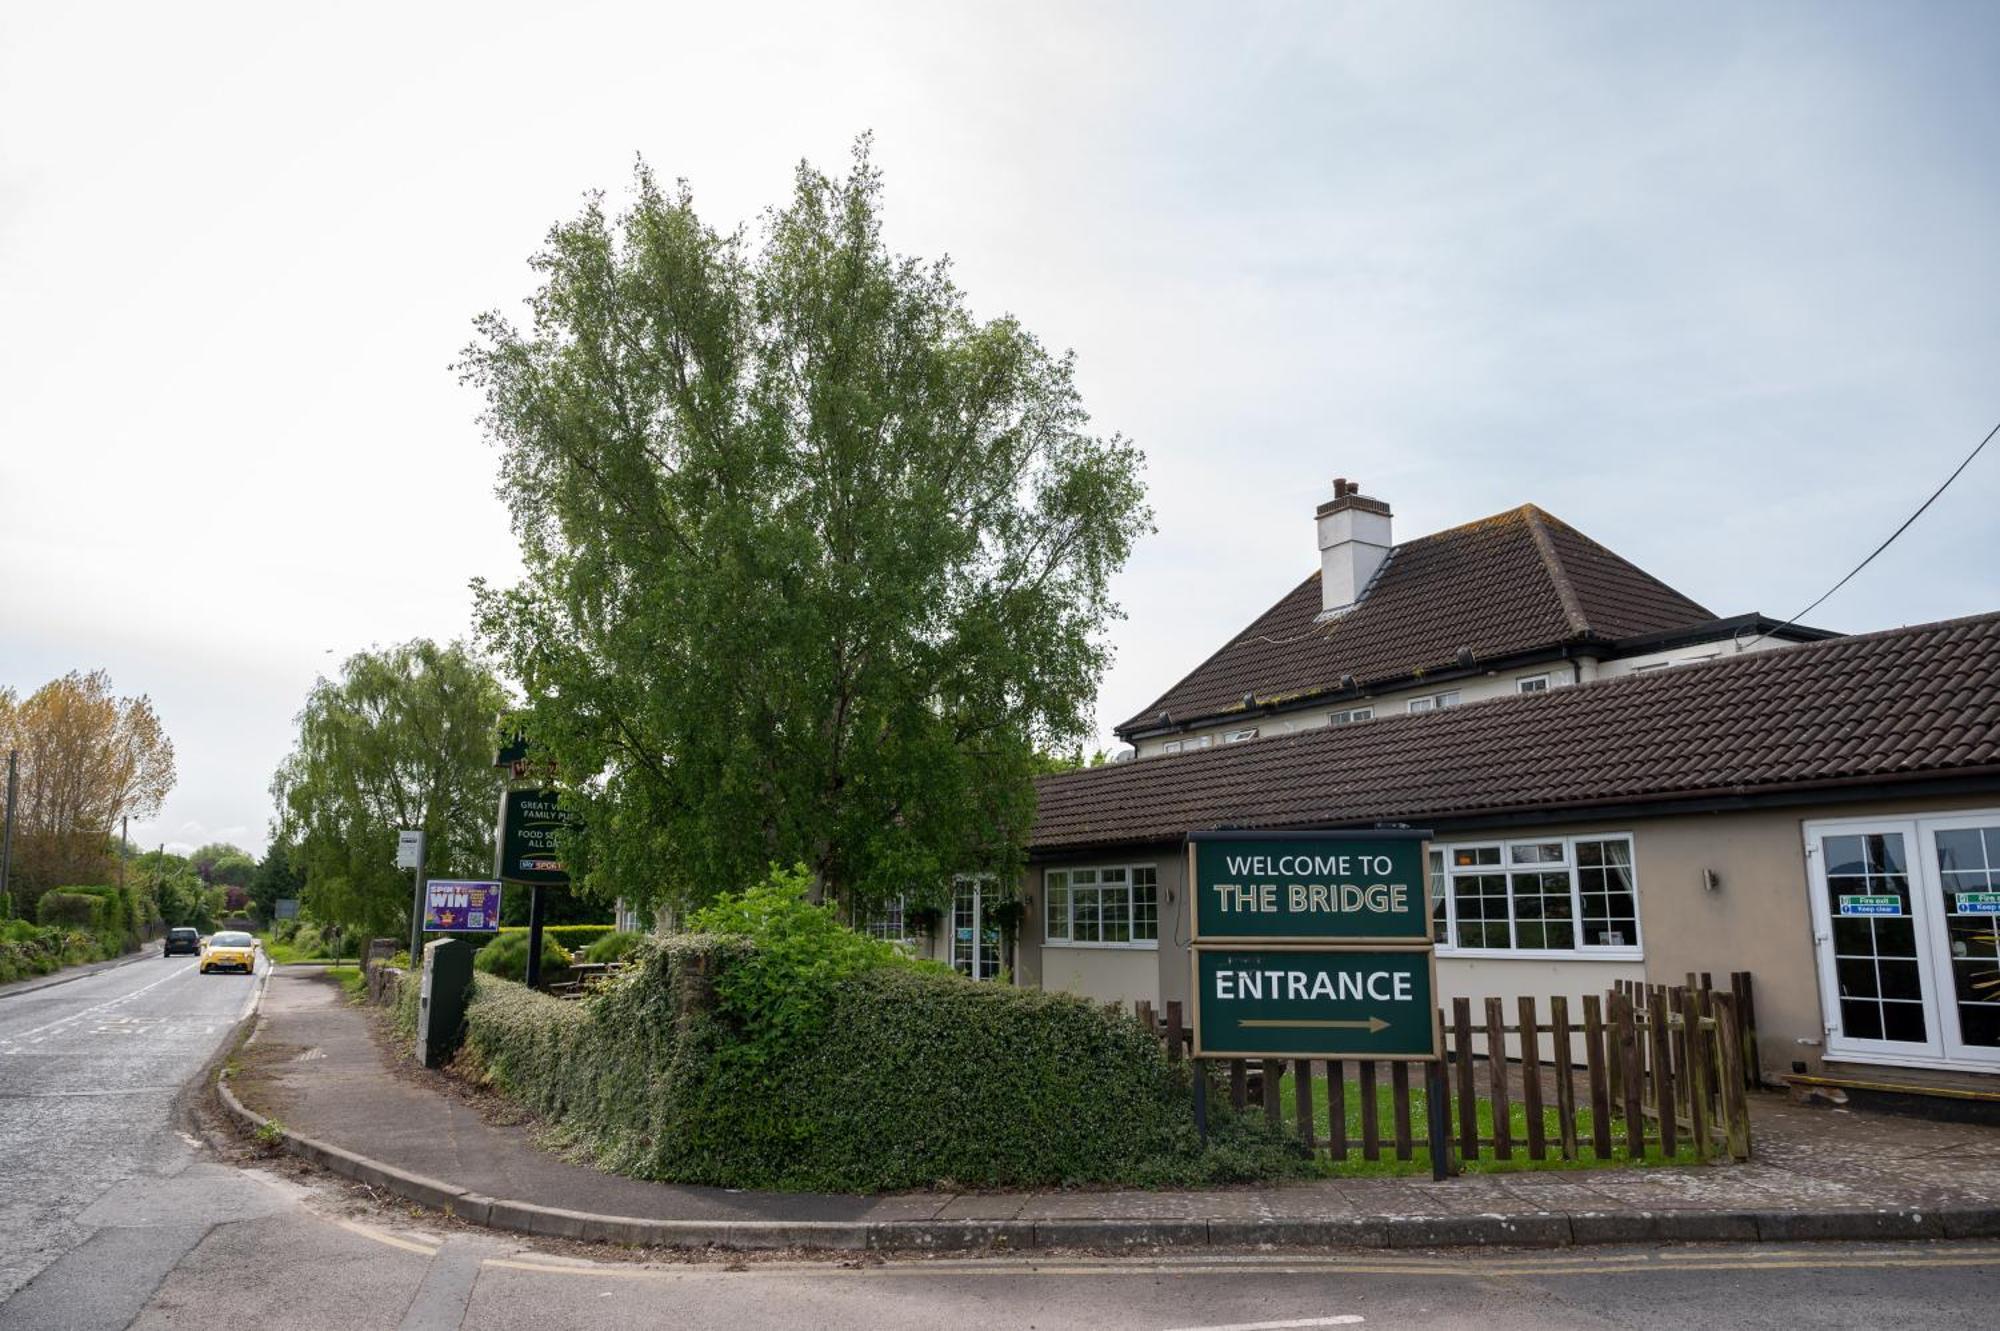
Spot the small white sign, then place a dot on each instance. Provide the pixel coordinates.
(408, 848)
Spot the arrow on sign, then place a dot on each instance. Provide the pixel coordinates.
(1373, 1025)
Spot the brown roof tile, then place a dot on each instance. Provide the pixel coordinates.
(1912, 701)
(1516, 582)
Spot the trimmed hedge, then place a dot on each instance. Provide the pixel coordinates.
(912, 1078)
(63, 907)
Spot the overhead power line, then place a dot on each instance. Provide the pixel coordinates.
(1980, 447)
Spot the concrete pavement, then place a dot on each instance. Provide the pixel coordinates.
(317, 1067)
(89, 1072)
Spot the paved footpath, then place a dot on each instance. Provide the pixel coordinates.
(1818, 1172)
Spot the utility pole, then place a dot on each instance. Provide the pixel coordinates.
(7, 837)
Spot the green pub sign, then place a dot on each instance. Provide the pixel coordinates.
(529, 822)
(1367, 886)
(1315, 1002)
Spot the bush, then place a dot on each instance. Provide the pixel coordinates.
(785, 1055)
(507, 957)
(613, 947)
(60, 907)
(28, 950)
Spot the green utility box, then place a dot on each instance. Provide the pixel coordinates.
(441, 998)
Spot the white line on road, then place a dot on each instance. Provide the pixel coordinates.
(1337, 1320)
(99, 1007)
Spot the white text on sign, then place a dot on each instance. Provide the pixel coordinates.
(1304, 986)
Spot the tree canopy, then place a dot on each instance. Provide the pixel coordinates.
(402, 740)
(87, 759)
(817, 561)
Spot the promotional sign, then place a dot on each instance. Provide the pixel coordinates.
(529, 821)
(1871, 905)
(1315, 1002)
(456, 907)
(285, 908)
(409, 850)
(1308, 887)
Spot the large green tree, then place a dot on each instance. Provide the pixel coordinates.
(403, 739)
(817, 561)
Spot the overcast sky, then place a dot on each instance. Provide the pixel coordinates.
(1715, 283)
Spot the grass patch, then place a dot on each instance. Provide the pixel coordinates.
(1486, 1163)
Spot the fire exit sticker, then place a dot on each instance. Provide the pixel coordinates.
(1871, 905)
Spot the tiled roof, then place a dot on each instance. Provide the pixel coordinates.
(1884, 706)
(1517, 582)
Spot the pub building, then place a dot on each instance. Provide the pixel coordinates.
(1621, 786)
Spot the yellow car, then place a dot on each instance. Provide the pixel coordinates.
(229, 952)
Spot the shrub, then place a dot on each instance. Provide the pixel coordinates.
(65, 907)
(507, 956)
(615, 946)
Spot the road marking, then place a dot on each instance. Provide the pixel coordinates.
(99, 1007)
(67, 1095)
(379, 1236)
(1337, 1320)
(1551, 1265)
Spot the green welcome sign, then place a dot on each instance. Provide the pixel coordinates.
(1315, 1002)
(1310, 886)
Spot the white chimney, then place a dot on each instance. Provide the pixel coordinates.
(1354, 543)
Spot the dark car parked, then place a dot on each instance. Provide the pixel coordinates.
(186, 941)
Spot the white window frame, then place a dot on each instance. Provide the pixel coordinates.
(1448, 946)
(1131, 907)
(1534, 683)
(1433, 702)
(1350, 716)
(1238, 736)
(890, 922)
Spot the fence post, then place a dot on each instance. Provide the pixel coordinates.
(1468, 1100)
(1496, 1080)
(1746, 1020)
(1594, 1062)
(1565, 1073)
(1735, 1109)
(1239, 1085)
(1336, 1109)
(1531, 1080)
(1631, 1078)
(1302, 1102)
(1399, 1092)
(1371, 1113)
(1175, 1030)
(1663, 1075)
(1698, 1078)
(1274, 1074)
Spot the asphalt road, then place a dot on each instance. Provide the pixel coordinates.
(90, 1071)
(111, 1215)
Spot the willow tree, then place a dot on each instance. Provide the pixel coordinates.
(816, 560)
(404, 739)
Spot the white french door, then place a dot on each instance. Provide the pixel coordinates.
(975, 939)
(1906, 917)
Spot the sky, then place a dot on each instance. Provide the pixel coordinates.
(1712, 282)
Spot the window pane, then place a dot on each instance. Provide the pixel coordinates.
(1086, 915)
(1480, 902)
(1542, 911)
(1145, 905)
(1464, 856)
(1440, 930)
(1606, 893)
(1537, 852)
(1056, 888)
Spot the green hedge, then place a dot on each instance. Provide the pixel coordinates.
(63, 908)
(910, 1078)
(28, 950)
(507, 957)
(613, 947)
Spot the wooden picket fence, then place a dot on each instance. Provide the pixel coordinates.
(1647, 1068)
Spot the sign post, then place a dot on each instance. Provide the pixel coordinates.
(410, 855)
(1317, 946)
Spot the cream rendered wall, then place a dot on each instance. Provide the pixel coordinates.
(1508, 978)
(1103, 974)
